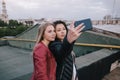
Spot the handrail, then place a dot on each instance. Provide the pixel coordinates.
(17, 39)
(79, 44)
(98, 45)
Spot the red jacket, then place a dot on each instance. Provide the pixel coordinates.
(44, 63)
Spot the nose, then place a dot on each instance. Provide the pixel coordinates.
(62, 31)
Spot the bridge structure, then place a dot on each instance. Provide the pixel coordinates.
(95, 54)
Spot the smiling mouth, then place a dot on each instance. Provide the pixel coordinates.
(52, 37)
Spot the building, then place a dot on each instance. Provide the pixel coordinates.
(4, 15)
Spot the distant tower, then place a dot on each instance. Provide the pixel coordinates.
(4, 15)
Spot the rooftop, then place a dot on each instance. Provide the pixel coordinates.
(16, 63)
(111, 28)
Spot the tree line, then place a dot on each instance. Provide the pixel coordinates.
(12, 28)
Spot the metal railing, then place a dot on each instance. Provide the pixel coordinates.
(98, 45)
(78, 44)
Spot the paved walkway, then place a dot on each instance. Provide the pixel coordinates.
(15, 63)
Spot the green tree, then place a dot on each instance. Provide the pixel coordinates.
(13, 23)
(12, 29)
(20, 29)
(2, 32)
(2, 23)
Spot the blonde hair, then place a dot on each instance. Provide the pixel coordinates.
(41, 31)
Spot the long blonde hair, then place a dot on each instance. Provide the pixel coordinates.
(41, 31)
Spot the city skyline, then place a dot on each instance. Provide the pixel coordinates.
(63, 9)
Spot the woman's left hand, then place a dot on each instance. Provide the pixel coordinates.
(74, 32)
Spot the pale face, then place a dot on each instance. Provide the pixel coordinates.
(49, 34)
(60, 31)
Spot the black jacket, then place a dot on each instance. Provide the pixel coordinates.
(62, 50)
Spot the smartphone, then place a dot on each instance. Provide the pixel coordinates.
(87, 24)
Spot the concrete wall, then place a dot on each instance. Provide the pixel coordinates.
(3, 42)
(29, 34)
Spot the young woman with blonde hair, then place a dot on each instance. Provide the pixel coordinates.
(43, 59)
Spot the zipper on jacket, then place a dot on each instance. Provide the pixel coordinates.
(62, 72)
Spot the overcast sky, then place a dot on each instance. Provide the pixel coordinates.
(63, 9)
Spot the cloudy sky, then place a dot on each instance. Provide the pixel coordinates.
(63, 9)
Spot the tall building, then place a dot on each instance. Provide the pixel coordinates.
(3, 15)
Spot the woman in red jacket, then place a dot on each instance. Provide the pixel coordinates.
(44, 62)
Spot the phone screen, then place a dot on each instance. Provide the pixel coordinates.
(87, 24)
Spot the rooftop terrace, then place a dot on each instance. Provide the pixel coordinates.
(95, 53)
(17, 64)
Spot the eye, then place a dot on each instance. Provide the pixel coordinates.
(58, 30)
(64, 28)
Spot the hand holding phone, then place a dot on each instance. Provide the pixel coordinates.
(87, 23)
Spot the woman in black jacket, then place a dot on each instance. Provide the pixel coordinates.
(62, 50)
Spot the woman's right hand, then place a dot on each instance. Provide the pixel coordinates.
(74, 32)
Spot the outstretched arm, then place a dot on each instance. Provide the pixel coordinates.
(62, 49)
